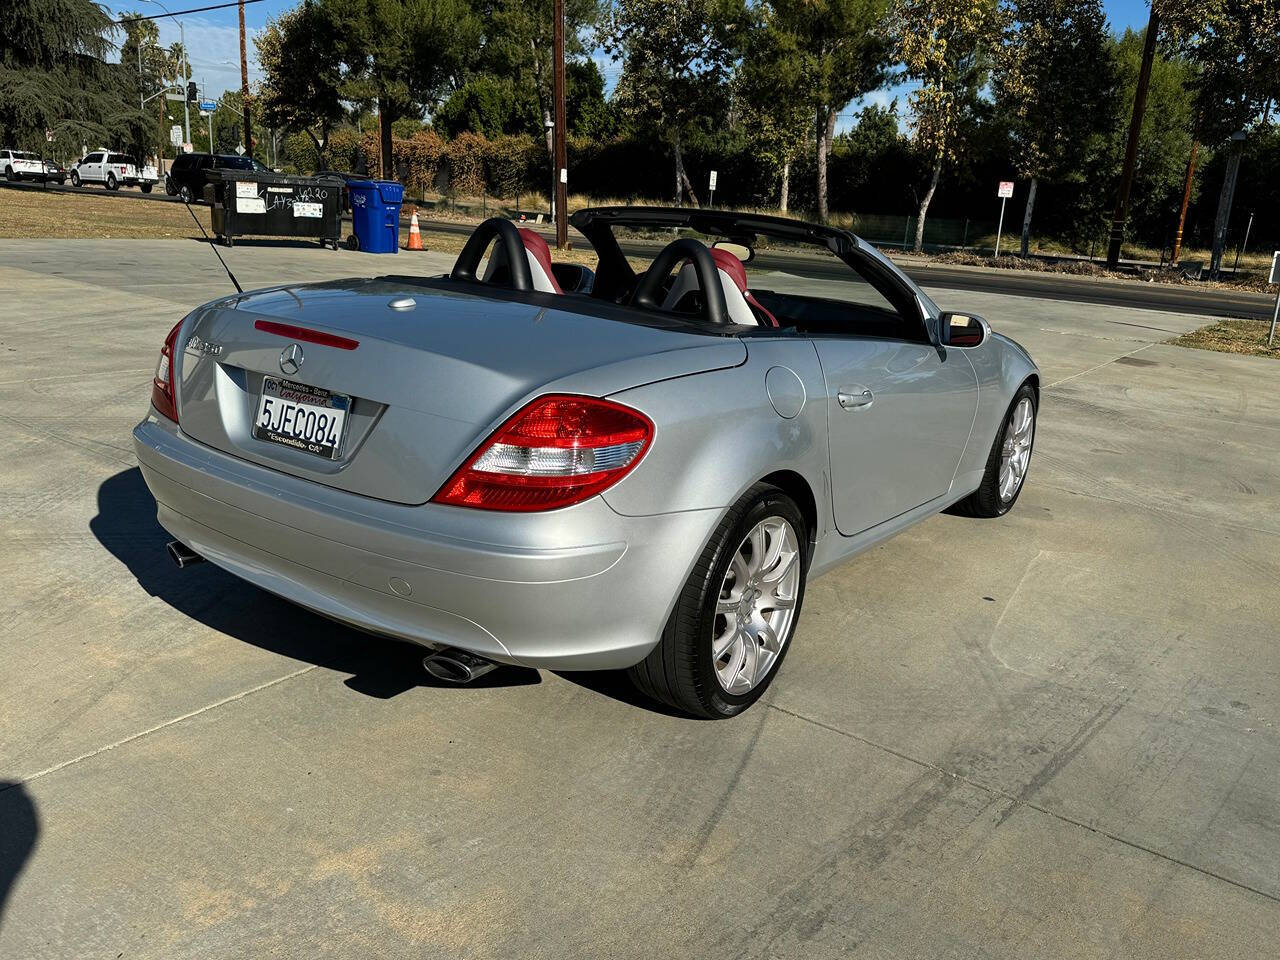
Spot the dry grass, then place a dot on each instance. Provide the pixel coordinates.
(1246, 282)
(75, 216)
(1232, 336)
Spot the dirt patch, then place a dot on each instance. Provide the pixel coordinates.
(1083, 268)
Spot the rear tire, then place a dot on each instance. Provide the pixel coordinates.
(112, 182)
(8, 174)
(683, 669)
(146, 188)
(988, 501)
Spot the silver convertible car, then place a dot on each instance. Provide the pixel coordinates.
(534, 463)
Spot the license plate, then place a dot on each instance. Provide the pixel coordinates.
(305, 418)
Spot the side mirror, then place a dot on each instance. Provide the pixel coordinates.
(962, 329)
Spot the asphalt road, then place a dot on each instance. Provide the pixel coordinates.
(1200, 301)
(1051, 735)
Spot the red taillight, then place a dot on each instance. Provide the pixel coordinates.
(162, 392)
(558, 450)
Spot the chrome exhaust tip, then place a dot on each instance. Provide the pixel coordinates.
(181, 554)
(456, 666)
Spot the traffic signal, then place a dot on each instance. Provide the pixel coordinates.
(192, 95)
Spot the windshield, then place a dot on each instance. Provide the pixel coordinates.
(235, 163)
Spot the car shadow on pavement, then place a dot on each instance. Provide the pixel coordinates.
(19, 830)
(380, 667)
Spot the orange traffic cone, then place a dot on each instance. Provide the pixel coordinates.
(415, 237)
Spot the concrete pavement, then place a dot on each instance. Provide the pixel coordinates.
(1053, 735)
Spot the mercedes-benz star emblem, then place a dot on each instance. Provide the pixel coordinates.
(291, 359)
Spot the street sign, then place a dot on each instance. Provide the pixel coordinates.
(1275, 268)
(1004, 192)
(174, 96)
(206, 113)
(48, 135)
(240, 149)
(713, 179)
(208, 106)
(175, 135)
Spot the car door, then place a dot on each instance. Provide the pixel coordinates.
(899, 408)
(91, 167)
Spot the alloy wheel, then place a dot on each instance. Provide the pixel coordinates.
(1015, 452)
(756, 605)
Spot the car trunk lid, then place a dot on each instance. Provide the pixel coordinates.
(428, 373)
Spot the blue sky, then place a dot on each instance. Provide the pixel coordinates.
(213, 39)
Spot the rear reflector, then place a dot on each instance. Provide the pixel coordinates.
(309, 336)
(556, 451)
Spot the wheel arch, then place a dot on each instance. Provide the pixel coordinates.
(795, 486)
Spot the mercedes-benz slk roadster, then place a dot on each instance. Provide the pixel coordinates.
(534, 463)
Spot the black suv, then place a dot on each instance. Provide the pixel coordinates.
(186, 176)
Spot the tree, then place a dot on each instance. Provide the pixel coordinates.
(829, 52)
(944, 45)
(1055, 81)
(675, 62)
(1235, 46)
(309, 100)
(773, 96)
(518, 47)
(54, 75)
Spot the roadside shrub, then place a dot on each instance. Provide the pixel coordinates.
(466, 156)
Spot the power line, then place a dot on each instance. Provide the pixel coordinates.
(179, 13)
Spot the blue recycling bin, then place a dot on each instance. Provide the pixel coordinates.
(375, 215)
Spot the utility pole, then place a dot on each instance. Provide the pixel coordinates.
(244, 87)
(562, 166)
(1186, 200)
(1135, 131)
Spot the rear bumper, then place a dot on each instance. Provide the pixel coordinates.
(576, 589)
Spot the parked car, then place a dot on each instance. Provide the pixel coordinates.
(186, 176)
(54, 172)
(113, 170)
(534, 463)
(21, 165)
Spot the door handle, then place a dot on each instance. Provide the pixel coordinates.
(855, 399)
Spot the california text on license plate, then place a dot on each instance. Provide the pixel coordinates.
(305, 418)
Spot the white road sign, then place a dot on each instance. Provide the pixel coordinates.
(1275, 268)
(48, 135)
(713, 180)
(175, 135)
(1006, 189)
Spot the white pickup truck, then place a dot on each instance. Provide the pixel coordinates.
(113, 169)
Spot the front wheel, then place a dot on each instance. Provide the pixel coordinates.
(185, 193)
(75, 178)
(735, 616)
(1008, 461)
